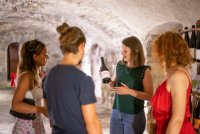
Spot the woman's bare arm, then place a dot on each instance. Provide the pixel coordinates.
(24, 84)
(177, 85)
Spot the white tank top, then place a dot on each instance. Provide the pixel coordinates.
(37, 94)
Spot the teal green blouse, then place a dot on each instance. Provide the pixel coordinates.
(132, 77)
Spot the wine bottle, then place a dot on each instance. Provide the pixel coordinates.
(198, 44)
(104, 72)
(197, 116)
(187, 38)
(192, 43)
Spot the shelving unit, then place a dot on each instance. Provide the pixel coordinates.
(195, 99)
(195, 95)
(189, 30)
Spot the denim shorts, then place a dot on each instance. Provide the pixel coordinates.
(122, 123)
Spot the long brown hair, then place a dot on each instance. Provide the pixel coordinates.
(26, 62)
(137, 53)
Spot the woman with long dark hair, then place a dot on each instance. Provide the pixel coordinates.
(32, 57)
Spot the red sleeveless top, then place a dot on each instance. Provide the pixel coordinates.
(162, 110)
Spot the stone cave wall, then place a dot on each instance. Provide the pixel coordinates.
(93, 54)
(21, 35)
(103, 92)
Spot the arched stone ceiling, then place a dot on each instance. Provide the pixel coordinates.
(105, 22)
(143, 15)
(98, 22)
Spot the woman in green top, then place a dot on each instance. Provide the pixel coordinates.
(133, 85)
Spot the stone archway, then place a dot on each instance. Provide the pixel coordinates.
(12, 58)
(157, 72)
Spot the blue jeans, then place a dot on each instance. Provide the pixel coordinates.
(122, 123)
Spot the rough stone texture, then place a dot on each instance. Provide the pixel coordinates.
(157, 71)
(167, 26)
(104, 22)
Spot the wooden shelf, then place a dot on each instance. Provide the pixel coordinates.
(189, 30)
(196, 94)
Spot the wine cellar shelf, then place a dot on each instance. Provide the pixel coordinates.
(192, 37)
(189, 30)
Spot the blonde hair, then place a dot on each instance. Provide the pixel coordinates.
(171, 47)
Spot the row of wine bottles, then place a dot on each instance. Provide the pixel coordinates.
(196, 115)
(193, 43)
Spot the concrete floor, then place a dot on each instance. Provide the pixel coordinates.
(7, 121)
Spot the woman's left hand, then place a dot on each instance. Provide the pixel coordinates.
(122, 90)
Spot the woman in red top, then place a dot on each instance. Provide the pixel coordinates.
(171, 102)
